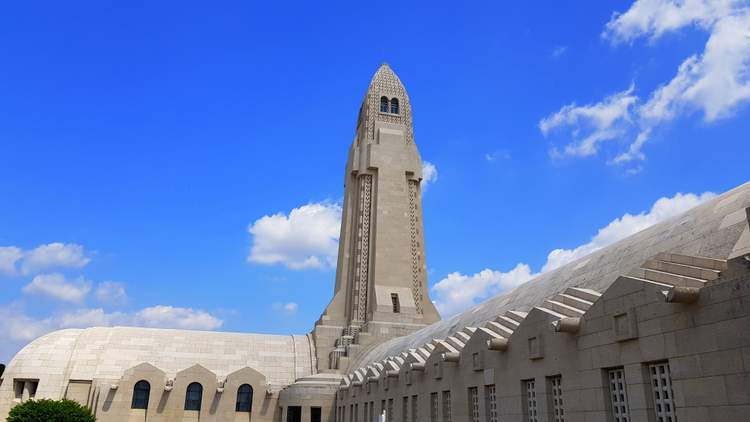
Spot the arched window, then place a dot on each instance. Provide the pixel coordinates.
(141, 391)
(384, 104)
(244, 398)
(394, 105)
(193, 396)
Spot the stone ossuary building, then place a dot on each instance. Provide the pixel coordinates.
(655, 327)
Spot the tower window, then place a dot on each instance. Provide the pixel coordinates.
(141, 392)
(244, 398)
(396, 304)
(384, 104)
(194, 396)
(394, 105)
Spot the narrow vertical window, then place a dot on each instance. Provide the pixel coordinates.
(141, 391)
(529, 387)
(384, 104)
(396, 303)
(414, 408)
(618, 395)
(474, 404)
(661, 386)
(244, 398)
(389, 413)
(447, 406)
(394, 105)
(405, 410)
(193, 396)
(433, 407)
(490, 402)
(556, 399)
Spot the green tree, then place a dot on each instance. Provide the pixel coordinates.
(50, 411)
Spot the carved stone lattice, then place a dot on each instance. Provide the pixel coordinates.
(363, 246)
(416, 259)
(386, 83)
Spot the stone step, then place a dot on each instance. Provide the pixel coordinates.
(516, 315)
(695, 261)
(682, 269)
(462, 336)
(423, 352)
(563, 309)
(469, 330)
(669, 278)
(506, 322)
(551, 312)
(585, 294)
(651, 282)
(499, 329)
(456, 343)
(574, 301)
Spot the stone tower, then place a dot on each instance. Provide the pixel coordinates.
(381, 277)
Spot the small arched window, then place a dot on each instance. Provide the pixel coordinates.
(384, 104)
(394, 105)
(244, 398)
(141, 391)
(193, 396)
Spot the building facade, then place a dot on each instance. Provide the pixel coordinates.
(655, 327)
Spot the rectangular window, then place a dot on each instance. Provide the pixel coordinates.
(389, 414)
(447, 406)
(433, 407)
(554, 385)
(356, 412)
(405, 410)
(529, 388)
(618, 395)
(396, 304)
(661, 386)
(364, 415)
(474, 404)
(314, 414)
(490, 403)
(414, 408)
(351, 413)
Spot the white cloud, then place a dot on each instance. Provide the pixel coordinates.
(457, 291)
(559, 51)
(715, 81)
(593, 123)
(111, 293)
(429, 174)
(19, 328)
(57, 287)
(9, 255)
(289, 308)
(163, 316)
(306, 238)
(54, 255)
(497, 155)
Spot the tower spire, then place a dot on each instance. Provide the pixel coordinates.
(381, 280)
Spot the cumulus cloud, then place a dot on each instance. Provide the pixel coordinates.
(457, 291)
(289, 308)
(43, 257)
(58, 287)
(54, 255)
(714, 82)
(9, 255)
(19, 328)
(111, 293)
(429, 174)
(594, 123)
(305, 238)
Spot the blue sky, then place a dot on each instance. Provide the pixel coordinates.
(139, 142)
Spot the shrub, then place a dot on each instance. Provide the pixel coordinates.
(50, 411)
